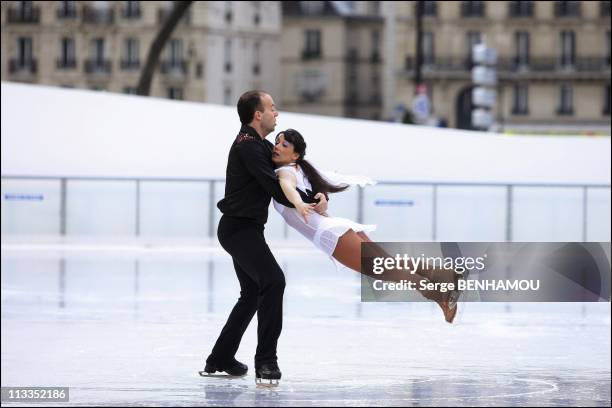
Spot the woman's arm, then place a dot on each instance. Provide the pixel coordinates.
(288, 183)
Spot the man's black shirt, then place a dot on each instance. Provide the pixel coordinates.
(250, 181)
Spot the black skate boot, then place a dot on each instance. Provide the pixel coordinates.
(233, 369)
(267, 374)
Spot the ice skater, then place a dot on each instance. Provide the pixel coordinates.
(338, 237)
(250, 184)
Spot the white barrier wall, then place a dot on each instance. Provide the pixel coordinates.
(59, 132)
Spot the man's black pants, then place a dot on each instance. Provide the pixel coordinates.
(262, 284)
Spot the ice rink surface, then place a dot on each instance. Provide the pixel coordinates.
(134, 329)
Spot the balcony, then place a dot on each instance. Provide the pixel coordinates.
(66, 64)
(176, 68)
(375, 57)
(24, 15)
(542, 67)
(23, 66)
(129, 65)
(95, 66)
(565, 111)
(554, 64)
(98, 16)
(311, 54)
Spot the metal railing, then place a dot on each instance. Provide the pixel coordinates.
(510, 187)
(593, 63)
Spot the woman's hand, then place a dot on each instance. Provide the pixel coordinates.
(305, 210)
(321, 207)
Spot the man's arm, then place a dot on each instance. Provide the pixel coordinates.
(257, 161)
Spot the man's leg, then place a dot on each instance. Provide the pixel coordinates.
(249, 249)
(229, 340)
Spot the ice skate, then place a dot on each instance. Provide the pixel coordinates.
(456, 294)
(268, 375)
(449, 312)
(233, 369)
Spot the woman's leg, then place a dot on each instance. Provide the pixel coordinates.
(348, 253)
(434, 275)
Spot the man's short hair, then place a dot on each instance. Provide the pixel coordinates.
(248, 103)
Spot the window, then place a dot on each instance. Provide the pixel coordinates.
(228, 12)
(567, 8)
(473, 38)
(97, 49)
(428, 48)
(256, 58)
(472, 8)
(568, 48)
(375, 55)
(228, 55)
(257, 12)
(430, 8)
(520, 103)
(97, 61)
(312, 46)
(521, 41)
(604, 8)
(175, 51)
(24, 51)
(131, 58)
(607, 50)
(566, 104)
(175, 93)
(606, 101)
(227, 95)
(131, 9)
(67, 9)
(25, 10)
(67, 53)
(521, 9)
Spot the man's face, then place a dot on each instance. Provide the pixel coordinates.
(268, 116)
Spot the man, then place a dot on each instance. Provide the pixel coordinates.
(250, 185)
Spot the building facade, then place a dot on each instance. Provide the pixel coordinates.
(339, 58)
(217, 51)
(332, 58)
(553, 61)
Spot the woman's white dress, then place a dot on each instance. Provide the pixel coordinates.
(322, 231)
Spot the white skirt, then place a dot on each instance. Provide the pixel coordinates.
(322, 231)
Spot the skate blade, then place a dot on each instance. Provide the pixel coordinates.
(205, 374)
(266, 383)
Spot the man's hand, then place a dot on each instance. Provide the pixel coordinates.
(321, 207)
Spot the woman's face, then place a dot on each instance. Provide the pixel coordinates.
(283, 152)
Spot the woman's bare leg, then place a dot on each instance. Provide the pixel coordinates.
(434, 275)
(348, 253)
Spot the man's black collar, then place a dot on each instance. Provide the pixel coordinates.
(250, 131)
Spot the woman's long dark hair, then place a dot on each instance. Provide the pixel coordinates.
(318, 183)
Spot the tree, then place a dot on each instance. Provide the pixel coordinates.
(146, 76)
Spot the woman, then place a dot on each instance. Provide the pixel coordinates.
(338, 237)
